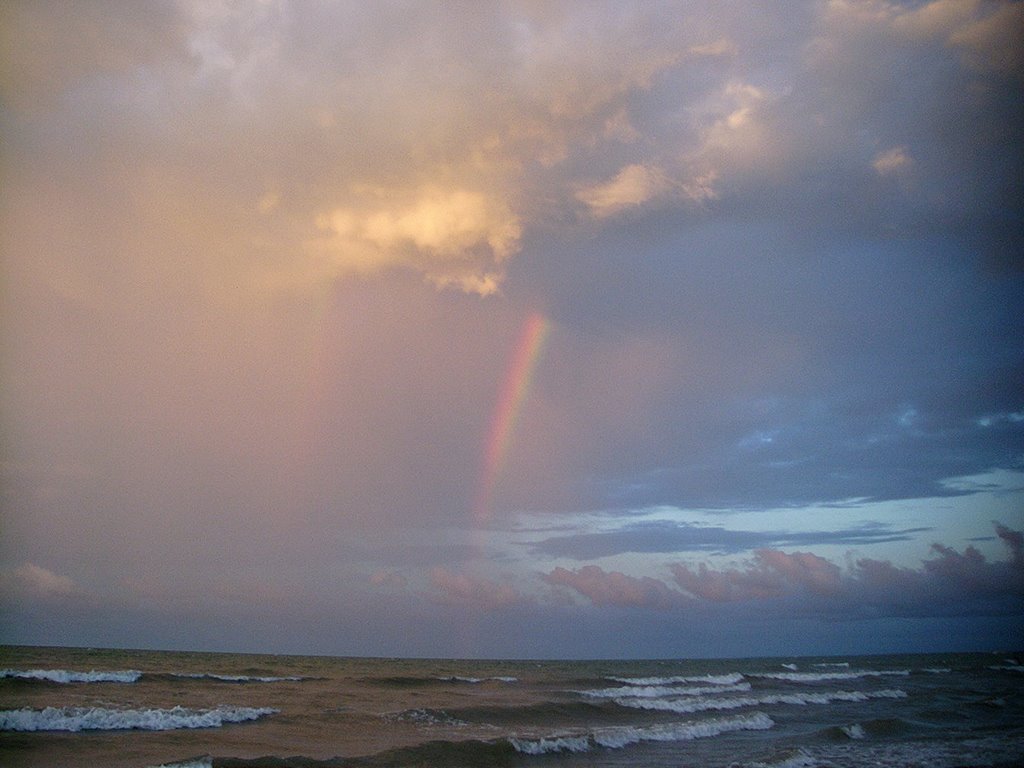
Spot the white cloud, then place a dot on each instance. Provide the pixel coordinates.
(632, 186)
(454, 236)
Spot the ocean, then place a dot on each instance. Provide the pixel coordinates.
(139, 709)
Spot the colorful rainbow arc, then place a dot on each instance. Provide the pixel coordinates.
(514, 390)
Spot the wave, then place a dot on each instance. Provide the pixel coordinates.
(815, 677)
(660, 691)
(623, 736)
(101, 719)
(729, 679)
(681, 706)
(474, 680)
(424, 717)
(474, 752)
(885, 728)
(513, 716)
(226, 678)
(65, 676)
(68, 676)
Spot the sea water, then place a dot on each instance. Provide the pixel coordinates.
(116, 708)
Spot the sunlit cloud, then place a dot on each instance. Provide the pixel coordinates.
(948, 582)
(453, 236)
(631, 187)
(463, 589)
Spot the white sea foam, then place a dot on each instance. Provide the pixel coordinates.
(1009, 668)
(234, 678)
(71, 676)
(459, 679)
(625, 735)
(840, 664)
(854, 731)
(195, 762)
(424, 717)
(660, 691)
(814, 677)
(796, 759)
(552, 744)
(729, 679)
(621, 736)
(101, 719)
(682, 706)
(791, 667)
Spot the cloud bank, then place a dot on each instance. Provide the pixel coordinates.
(802, 583)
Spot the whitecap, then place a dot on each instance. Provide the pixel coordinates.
(474, 680)
(814, 677)
(617, 737)
(728, 679)
(72, 676)
(553, 744)
(682, 706)
(196, 762)
(660, 691)
(102, 719)
(234, 678)
(854, 731)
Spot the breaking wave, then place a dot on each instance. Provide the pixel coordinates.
(815, 677)
(660, 691)
(737, 702)
(729, 679)
(231, 678)
(622, 736)
(102, 719)
(474, 680)
(71, 676)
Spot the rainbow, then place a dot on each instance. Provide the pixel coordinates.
(514, 389)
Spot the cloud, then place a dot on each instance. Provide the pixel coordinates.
(771, 574)
(892, 162)
(1015, 541)
(35, 581)
(225, 226)
(613, 588)
(632, 186)
(453, 236)
(670, 536)
(949, 583)
(474, 591)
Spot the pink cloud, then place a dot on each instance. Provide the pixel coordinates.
(36, 581)
(727, 585)
(950, 580)
(771, 574)
(614, 588)
(475, 591)
(814, 573)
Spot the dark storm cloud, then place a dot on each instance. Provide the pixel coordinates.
(665, 536)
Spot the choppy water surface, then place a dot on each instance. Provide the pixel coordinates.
(69, 707)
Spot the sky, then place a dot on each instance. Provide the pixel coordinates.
(512, 329)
